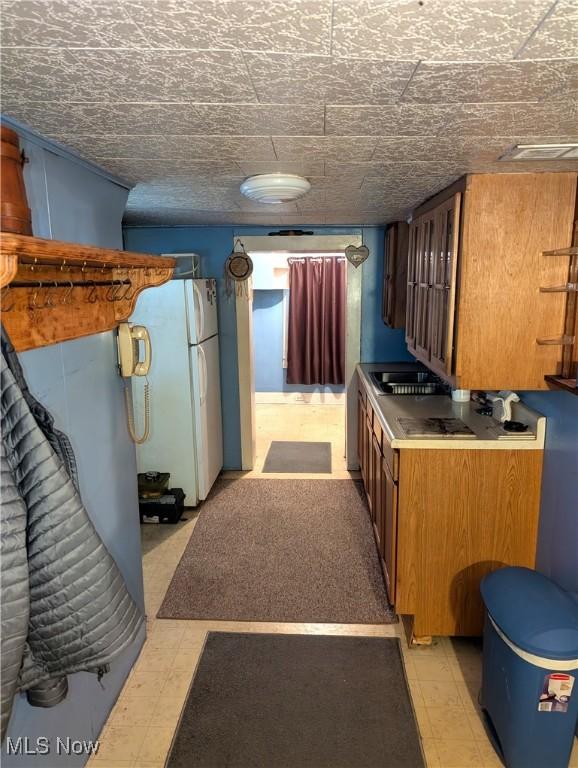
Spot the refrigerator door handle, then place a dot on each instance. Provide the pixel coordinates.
(203, 376)
(201, 311)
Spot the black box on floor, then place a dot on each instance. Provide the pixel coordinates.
(168, 508)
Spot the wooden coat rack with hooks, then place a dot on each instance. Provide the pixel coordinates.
(55, 291)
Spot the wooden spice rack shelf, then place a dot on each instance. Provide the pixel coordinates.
(568, 340)
(55, 291)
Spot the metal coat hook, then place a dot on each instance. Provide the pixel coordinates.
(32, 300)
(92, 296)
(49, 301)
(112, 291)
(67, 298)
(10, 306)
(129, 293)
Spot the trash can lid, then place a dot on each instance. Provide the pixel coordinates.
(533, 612)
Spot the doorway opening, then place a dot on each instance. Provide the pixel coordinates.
(298, 344)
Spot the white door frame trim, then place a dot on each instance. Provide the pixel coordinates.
(244, 312)
(245, 356)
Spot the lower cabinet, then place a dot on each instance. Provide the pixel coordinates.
(384, 514)
(444, 518)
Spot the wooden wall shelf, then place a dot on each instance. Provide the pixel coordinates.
(55, 291)
(566, 377)
(558, 382)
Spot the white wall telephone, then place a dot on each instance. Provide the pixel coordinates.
(130, 363)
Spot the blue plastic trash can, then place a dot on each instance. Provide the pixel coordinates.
(530, 667)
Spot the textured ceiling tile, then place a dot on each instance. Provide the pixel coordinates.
(283, 220)
(557, 35)
(353, 172)
(311, 79)
(404, 190)
(332, 183)
(254, 207)
(114, 145)
(452, 119)
(207, 199)
(61, 23)
(300, 167)
(523, 166)
(314, 200)
(504, 81)
(324, 147)
(172, 147)
(336, 197)
(178, 119)
(394, 120)
(125, 75)
(222, 147)
(359, 219)
(435, 148)
(259, 25)
(143, 170)
(454, 30)
(405, 180)
(169, 217)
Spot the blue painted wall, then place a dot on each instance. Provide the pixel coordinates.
(379, 344)
(270, 376)
(79, 384)
(214, 244)
(558, 536)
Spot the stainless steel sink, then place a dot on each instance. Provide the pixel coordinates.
(416, 382)
(401, 377)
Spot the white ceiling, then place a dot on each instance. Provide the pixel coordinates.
(380, 103)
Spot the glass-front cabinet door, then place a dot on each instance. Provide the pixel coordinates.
(443, 286)
(410, 322)
(427, 253)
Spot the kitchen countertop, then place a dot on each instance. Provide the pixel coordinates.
(389, 408)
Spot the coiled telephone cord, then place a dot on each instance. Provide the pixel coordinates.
(139, 440)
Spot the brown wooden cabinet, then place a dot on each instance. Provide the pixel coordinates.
(389, 527)
(395, 275)
(444, 518)
(475, 267)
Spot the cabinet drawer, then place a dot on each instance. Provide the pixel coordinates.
(370, 416)
(391, 457)
(378, 432)
(362, 394)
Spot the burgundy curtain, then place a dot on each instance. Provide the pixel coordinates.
(316, 327)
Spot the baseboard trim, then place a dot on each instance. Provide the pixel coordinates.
(309, 398)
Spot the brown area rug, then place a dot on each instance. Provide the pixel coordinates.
(281, 550)
(294, 456)
(298, 701)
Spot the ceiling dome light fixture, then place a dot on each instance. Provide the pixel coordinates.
(275, 188)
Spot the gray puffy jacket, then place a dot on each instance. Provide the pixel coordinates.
(64, 605)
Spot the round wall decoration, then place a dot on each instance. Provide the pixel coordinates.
(238, 269)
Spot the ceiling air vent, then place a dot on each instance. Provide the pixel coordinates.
(542, 152)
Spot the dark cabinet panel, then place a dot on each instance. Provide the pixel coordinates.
(379, 466)
(411, 307)
(395, 275)
(431, 285)
(389, 528)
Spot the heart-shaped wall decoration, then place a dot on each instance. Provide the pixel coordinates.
(356, 254)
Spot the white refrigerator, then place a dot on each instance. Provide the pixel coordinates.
(186, 437)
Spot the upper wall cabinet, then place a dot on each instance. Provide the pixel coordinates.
(476, 263)
(395, 275)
